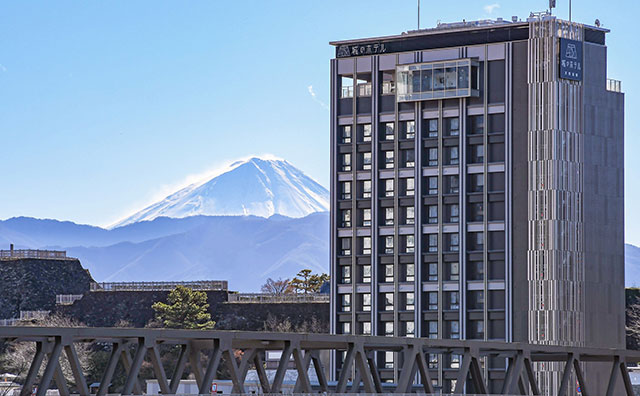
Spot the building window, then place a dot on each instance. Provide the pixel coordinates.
(388, 273)
(409, 158)
(454, 363)
(346, 274)
(366, 161)
(345, 244)
(345, 302)
(366, 302)
(388, 358)
(366, 245)
(476, 212)
(432, 185)
(388, 329)
(409, 129)
(388, 216)
(345, 218)
(347, 87)
(432, 298)
(410, 187)
(388, 188)
(476, 241)
(476, 328)
(433, 272)
(388, 159)
(432, 156)
(345, 133)
(432, 243)
(452, 155)
(366, 274)
(409, 329)
(388, 129)
(409, 301)
(453, 300)
(454, 329)
(366, 217)
(432, 329)
(388, 301)
(453, 270)
(475, 125)
(452, 126)
(452, 184)
(476, 182)
(454, 213)
(346, 327)
(476, 270)
(409, 275)
(410, 215)
(454, 242)
(366, 328)
(475, 299)
(365, 131)
(366, 189)
(345, 187)
(432, 128)
(432, 213)
(476, 155)
(410, 244)
(364, 88)
(433, 361)
(346, 162)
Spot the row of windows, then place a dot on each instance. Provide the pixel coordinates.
(406, 272)
(407, 129)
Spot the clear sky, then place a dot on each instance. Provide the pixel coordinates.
(106, 106)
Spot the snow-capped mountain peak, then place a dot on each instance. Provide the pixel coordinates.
(256, 186)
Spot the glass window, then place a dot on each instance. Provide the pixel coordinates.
(410, 215)
(346, 133)
(432, 328)
(453, 300)
(432, 156)
(476, 299)
(438, 79)
(366, 328)
(409, 329)
(347, 87)
(366, 189)
(388, 357)
(463, 77)
(409, 299)
(432, 212)
(409, 273)
(453, 156)
(366, 274)
(345, 302)
(476, 125)
(454, 329)
(410, 187)
(433, 271)
(410, 244)
(346, 273)
(433, 360)
(427, 80)
(366, 161)
(346, 327)
(366, 217)
(366, 132)
(346, 189)
(452, 126)
(388, 329)
(454, 213)
(450, 78)
(388, 188)
(409, 158)
(388, 244)
(454, 242)
(476, 155)
(345, 217)
(388, 159)
(388, 129)
(346, 162)
(345, 244)
(366, 245)
(409, 129)
(388, 301)
(432, 243)
(477, 182)
(432, 128)
(388, 216)
(454, 270)
(452, 184)
(366, 302)
(476, 212)
(388, 273)
(432, 185)
(476, 270)
(432, 298)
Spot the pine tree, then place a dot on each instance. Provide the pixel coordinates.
(185, 309)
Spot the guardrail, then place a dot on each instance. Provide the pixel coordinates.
(35, 254)
(614, 85)
(207, 350)
(67, 299)
(277, 298)
(205, 285)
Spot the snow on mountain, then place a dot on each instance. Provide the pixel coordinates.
(260, 187)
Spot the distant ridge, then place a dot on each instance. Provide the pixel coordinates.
(257, 186)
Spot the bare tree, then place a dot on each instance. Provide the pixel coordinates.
(633, 325)
(277, 287)
(19, 355)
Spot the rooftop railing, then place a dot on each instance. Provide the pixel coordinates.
(34, 253)
(205, 285)
(277, 298)
(614, 85)
(67, 299)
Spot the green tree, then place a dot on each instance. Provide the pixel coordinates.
(307, 282)
(185, 309)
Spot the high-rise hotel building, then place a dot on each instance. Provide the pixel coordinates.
(477, 188)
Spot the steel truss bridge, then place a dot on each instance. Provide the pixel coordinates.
(206, 351)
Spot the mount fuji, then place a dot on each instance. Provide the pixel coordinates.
(257, 186)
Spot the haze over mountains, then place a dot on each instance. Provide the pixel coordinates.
(260, 218)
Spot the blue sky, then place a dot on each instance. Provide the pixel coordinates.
(106, 106)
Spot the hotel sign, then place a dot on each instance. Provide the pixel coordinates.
(571, 59)
(345, 51)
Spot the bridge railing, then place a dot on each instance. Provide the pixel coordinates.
(205, 285)
(237, 352)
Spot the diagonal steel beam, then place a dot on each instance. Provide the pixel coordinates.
(580, 375)
(476, 376)
(306, 362)
(76, 369)
(613, 377)
(319, 368)
(196, 363)
(176, 377)
(61, 381)
(52, 363)
(116, 351)
(230, 359)
(625, 379)
(34, 369)
(127, 362)
(566, 374)
(513, 373)
(158, 369)
(463, 372)
(345, 371)
(363, 368)
(276, 386)
(531, 377)
(262, 373)
(408, 371)
(423, 369)
(204, 385)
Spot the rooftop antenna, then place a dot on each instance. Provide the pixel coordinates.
(569, 10)
(552, 5)
(418, 14)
